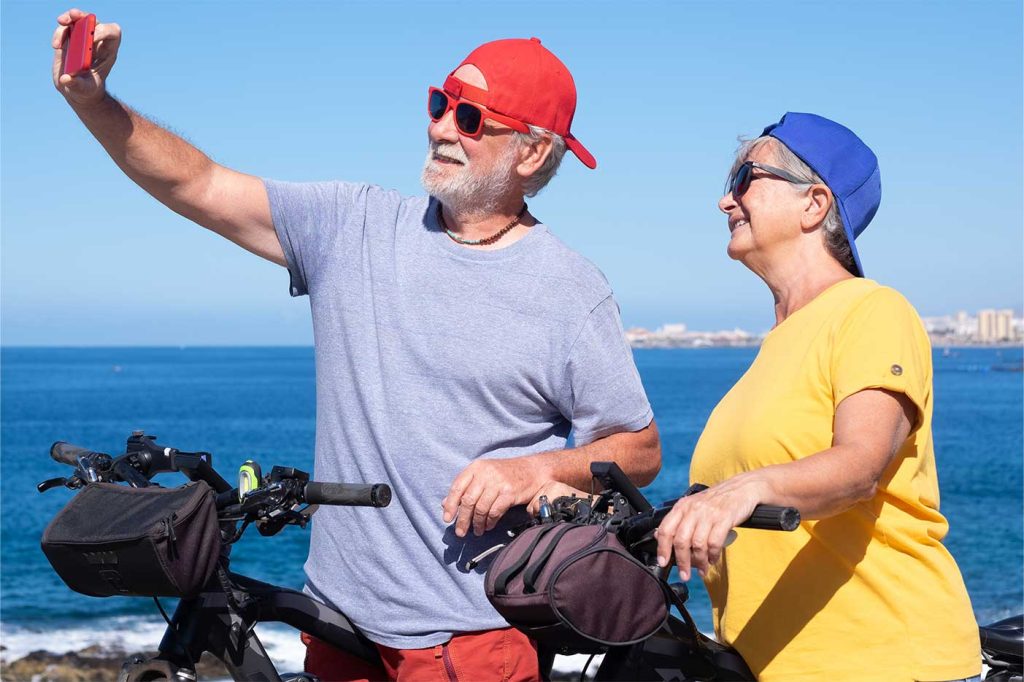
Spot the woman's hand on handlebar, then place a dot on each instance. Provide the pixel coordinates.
(698, 525)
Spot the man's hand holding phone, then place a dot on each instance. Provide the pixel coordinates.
(84, 52)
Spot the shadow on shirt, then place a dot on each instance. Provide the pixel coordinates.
(459, 551)
(804, 589)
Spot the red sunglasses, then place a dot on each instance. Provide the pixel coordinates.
(469, 116)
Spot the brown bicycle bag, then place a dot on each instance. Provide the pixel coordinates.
(575, 588)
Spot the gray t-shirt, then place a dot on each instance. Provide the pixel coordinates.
(430, 355)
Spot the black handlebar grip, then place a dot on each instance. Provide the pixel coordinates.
(765, 517)
(348, 494)
(638, 526)
(770, 517)
(66, 453)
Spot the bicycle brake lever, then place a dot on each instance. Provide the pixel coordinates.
(51, 483)
(273, 525)
(270, 527)
(305, 513)
(129, 474)
(649, 543)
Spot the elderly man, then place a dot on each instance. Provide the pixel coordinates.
(457, 344)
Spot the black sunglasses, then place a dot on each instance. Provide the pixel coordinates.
(739, 183)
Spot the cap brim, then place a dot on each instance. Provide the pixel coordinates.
(580, 151)
(850, 238)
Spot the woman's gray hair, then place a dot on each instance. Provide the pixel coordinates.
(832, 226)
(542, 177)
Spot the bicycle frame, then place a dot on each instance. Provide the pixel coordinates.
(672, 651)
(210, 623)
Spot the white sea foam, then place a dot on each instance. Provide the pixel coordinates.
(132, 634)
(574, 664)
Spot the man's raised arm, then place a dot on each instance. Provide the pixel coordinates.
(232, 204)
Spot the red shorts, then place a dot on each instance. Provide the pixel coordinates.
(506, 655)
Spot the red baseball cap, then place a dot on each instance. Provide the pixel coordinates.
(525, 81)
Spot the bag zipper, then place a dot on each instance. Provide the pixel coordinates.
(172, 539)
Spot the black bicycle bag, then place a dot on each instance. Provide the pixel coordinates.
(575, 588)
(112, 540)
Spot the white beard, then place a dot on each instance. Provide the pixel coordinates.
(464, 191)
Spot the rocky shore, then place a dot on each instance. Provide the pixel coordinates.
(87, 665)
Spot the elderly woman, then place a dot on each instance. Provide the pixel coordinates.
(833, 418)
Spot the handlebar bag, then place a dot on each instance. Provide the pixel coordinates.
(112, 540)
(575, 588)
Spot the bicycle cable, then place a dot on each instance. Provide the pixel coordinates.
(583, 674)
(177, 635)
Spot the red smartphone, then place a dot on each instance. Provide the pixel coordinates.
(78, 46)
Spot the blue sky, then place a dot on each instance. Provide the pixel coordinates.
(307, 91)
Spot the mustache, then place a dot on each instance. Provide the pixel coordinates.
(450, 150)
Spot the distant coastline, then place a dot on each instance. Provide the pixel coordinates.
(755, 341)
(990, 328)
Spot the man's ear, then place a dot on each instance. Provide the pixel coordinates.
(533, 154)
(819, 201)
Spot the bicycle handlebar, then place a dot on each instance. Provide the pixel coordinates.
(66, 453)
(765, 517)
(347, 494)
(771, 517)
(151, 459)
(271, 501)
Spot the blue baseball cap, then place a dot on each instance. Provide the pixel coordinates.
(844, 162)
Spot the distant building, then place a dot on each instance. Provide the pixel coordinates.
(986, 325)
(995, 326)
(990, 326)
(939, 325)
(965, 325)
(1004, 325)
(677, 335)
(637, 336)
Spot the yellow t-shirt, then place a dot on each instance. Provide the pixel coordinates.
(868, 594)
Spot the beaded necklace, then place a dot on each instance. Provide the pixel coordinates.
(486, 240)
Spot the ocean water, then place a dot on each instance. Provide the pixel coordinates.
(259, 403)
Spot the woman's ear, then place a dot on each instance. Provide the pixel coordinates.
(819, 201)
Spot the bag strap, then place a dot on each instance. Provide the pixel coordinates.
(501, 582)
(692, 633)
(530, 577)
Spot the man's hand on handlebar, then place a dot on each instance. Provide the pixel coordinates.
(698, 525)
(89, 86)
(486, 489)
